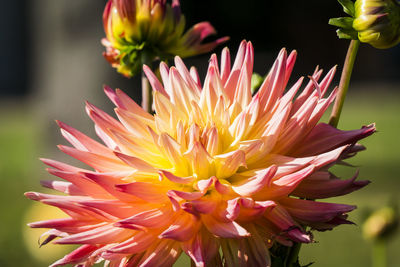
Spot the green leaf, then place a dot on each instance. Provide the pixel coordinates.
(348, 7)
(347, 34)
(343, 22)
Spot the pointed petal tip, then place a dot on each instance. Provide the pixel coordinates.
(32, 195)
(222, 40)
(45, 160)
(226, 50)
(45, 183)
(362, 183)
(107, 88)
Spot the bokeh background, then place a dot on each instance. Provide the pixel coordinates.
(51, 63)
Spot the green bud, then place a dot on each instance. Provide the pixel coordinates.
(381, 224)
(256, 81)
(377, 22)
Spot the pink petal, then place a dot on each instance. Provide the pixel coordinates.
(231, 83)
(224, 229)
(202, 248)
(102, 235)
(68, 225)
(136, 163)
(193, 83)
(330, 187)
(313, 211)
(176, 179)
(81, 141)
(64, 187)
(108, 182)
(254, 184)
(153, 218)
(155, 83)
(285, 185)
(225, 64)
(135, 244)
(97, 161)
(183, 228)
(78, 255)
(325, 137)
(129, 104)
(147, 191)
(185, 195)
(165, 253)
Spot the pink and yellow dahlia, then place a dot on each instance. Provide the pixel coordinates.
(139, 31)
(216, 172)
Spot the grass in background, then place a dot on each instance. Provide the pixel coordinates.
(22, 140)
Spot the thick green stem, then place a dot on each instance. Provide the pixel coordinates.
(293, 255)
(147, 95)
(379, 254)
(344, 82)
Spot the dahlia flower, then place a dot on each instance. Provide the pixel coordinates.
(139, 31)
(216, 173)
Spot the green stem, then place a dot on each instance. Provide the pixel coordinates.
(147, 95)
(344, 82)
(293, 255)
(147, 90)
(379, 254)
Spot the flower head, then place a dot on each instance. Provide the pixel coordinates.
(215, 169)
(378, 22)
(139, 31)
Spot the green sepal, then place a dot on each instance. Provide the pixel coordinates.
(256, 81)
(348, 7)
(347, 34)
(343, 22)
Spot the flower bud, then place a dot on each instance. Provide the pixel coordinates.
(141, 31)
(377, 22)
(381, 224)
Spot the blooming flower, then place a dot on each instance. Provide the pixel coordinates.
(216, 173)
(139, 31)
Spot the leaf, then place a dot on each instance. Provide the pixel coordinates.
(347, 34)
(343, 22)
(348, 7)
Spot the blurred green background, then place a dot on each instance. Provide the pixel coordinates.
(53, 63)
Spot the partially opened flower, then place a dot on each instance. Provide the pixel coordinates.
(139, 31)
(216, 173)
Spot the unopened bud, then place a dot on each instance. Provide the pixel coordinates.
(377, 22)
(381, 224)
